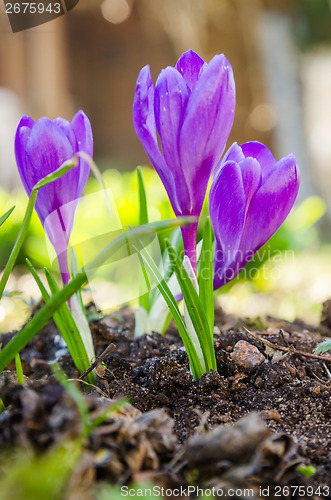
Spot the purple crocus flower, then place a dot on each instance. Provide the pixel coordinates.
(250, 197)
(41, 148)
(192, 109)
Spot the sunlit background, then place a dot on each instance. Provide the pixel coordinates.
(280, 51)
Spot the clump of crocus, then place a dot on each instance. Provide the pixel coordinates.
(41, 148)
(250, 197)
(192, 109)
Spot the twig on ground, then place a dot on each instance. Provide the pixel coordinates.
(290, 350)
(98, 360)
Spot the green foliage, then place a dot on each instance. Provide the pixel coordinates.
(306, 470)
(206, 274)
(5, 216)
(65, 324)
(19, 369)
(26, 476)
(323, 347)
(78, 397)
(197, 331)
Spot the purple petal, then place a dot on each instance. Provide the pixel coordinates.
(262, 154)
(227, 211)
(234, 153)
(46, 149)
(81, 127)
(271, 204)
(207, 124)
(171, 97)
(144, 124)
(66, 128)
(189, 66)
(22, 135)
(251, 173)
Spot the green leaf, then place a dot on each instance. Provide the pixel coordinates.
(206, 275)
(197, 369)
(39, 320)
(19, 369)
(195, 309)
(53, 176)
(143, 209)
(306, 470)
(323, 347)
(72, 339)
(143, 219)
(175, 241)
(5, 216)
(70, 332)
(76, 395)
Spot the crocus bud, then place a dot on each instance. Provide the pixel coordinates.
(192, 108)
(250, 197)
(41, 148)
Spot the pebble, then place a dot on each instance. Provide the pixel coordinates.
(259, 382)
(270, 415)
(301, 371)
(247, 356)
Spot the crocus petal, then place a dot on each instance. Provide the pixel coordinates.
(227, 209)
(81, 127)
(22, 135)
(252, 177)
(189, 65)
(171, 97)
(144, 124)
(207, 124)
(234, 153)
(262, 154)
(271, 204)
(41, 148)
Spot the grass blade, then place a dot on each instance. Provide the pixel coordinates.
(195, 309)
(70, 333)
(197, 369)
(206, 275)
(39, 320)
(143, 209)
(19, 369)
(5, 216)
(143, 219)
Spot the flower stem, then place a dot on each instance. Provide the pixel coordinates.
(189, 234)
(63, 266)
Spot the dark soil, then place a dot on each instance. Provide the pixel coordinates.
(174, 433)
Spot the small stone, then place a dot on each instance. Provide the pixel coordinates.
(270, 415)
(316, 390)
(301, 372)
(291, 369)
(258, 382)
(247, 356)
